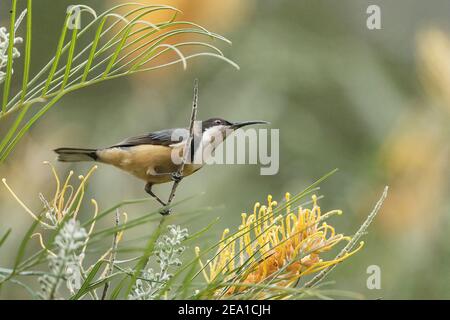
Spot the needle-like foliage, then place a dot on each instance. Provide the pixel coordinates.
(111, 45)
(275, 247)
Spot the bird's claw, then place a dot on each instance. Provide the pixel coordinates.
(165, 211)
(176, 177)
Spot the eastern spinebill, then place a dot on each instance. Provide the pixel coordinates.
(149, 156)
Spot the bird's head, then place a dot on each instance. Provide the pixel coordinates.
(217, 127)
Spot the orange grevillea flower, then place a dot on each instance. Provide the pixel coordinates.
(279, 245)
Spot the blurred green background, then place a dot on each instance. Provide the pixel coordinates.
(373, 103)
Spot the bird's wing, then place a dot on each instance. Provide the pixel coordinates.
(162, 138)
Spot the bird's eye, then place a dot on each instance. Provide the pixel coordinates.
(217, 122)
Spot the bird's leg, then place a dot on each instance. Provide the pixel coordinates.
(148, 189)
(176, 176)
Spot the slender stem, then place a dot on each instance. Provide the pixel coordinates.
(361, 231)
(6, 271)
(112, 257)
(188, 143)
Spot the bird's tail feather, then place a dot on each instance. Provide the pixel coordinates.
(76, 154)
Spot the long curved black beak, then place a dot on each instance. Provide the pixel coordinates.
(237, 125)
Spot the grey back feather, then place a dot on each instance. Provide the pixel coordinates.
(161, 138)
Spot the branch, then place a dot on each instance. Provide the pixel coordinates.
(186, 153)
(112, 258)
(361, 231)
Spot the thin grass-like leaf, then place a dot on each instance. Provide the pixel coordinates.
(27, 126)
(58, 54)
(9, 64)
(27, 59)
(14, 127)
(70, 57)
(21, 251)
(5, 237)
(85, 287)
(144, 259)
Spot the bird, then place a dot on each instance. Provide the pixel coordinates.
(149, 156)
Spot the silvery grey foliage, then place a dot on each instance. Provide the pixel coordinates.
(65, 263)
(168, 251)
(4, 42)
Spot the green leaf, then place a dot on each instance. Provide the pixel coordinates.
(85, 287)
(5, 236)
(9, 70)
(21, 251)
(27, 59)
(59, 50)
(70, 58)
(118, 289)
(144, 259)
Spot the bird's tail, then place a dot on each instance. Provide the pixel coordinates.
(76, 155)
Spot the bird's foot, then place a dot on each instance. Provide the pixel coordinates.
(176, 177)
(165, 211)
